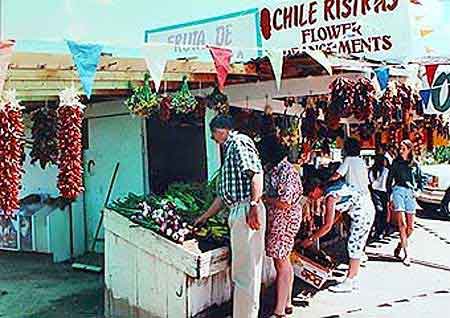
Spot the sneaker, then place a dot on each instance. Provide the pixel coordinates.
(347, 286)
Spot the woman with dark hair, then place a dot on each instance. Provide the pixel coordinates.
(378, 175)
(282, 198)
(403, 180)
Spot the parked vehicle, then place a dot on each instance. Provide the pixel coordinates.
(435, 195)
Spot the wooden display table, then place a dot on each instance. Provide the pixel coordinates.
(148, 276)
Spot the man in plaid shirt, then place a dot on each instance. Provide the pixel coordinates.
(240, 189)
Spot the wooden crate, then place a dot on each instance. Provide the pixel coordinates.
(148, 276)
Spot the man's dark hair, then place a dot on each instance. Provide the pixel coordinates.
(221, 122)
(352, 147)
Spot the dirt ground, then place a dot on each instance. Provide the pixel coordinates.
(31, 286)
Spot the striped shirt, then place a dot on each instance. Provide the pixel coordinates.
(241, 161)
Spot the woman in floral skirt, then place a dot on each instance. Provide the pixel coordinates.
(282, 199)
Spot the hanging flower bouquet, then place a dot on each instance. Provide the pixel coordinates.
(183, 102)
(143, 102)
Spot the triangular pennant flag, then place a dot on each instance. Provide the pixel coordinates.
(156, 56)
(222, 60)
(276, 58)
(425, 31)
(6, 49)
(322, 59)
(376, 84)
(86, 57)
(382, 77)
(425, 95)
(429, 49)
(431, 71)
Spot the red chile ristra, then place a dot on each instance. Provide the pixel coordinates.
(11, 152)
(70, 118)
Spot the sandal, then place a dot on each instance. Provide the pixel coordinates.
(397, 250)
(289, 310)
(406, 260)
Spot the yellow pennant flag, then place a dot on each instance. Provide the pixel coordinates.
(425, 31)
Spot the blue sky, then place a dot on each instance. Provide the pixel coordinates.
(123, 22)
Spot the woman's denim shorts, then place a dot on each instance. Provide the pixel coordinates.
(404, 200)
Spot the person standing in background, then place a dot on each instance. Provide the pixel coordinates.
(240, 190)
(282, 198)
(403, 180)
(378, 175)
(353, 168)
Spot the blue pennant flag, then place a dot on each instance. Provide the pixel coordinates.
(425, 95)
(383, 77)
(86, 57)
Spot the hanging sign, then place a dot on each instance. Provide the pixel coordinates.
(435, 91)
(372, 28)
(237, 31)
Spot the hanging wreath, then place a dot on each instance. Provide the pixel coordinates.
(183, 102)
(45, 143)
(11, 152)
(143, 102)
(70, 118)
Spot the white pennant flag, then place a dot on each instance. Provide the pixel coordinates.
(322, 59)
(276, 58)
(156, 56)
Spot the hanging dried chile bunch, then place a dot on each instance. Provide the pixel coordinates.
(364, 99)
(342, 97)
(407, 99)
(70, 118)
(388, 103)
(164, 108)
(45, 143)
(11, 152)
